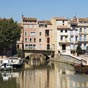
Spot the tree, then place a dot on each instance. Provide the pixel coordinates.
(9, 34)
(79, 49)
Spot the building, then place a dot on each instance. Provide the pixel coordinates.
(59, 34)
(62, 29)
(73, 34)
(83, 32)
(36, 34)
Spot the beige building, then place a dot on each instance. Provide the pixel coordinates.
(62, 36)
(73, 34)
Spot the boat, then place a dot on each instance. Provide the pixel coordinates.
(80, 68)
(11, 63)
(16, 62)
(6, 66)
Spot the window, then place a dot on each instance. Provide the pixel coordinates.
(65, 30)
(42, 25)
(39, 40)
(25, 33)
(30, 46)
(61, 37)
(32, 33)
(34, 39)
(80, 37)
(33, 47)
(46, 32)
(25, 39)
(84, 45)
(63, 22)
(71, 36)
(48, 40)
(45, 25)
(80, 29)
(61, 30)
(26, 46)
(48, 46)
(63, 47)
(30, 39)
(84, 29)
(40, 33)
(84, 37)
(76, 37)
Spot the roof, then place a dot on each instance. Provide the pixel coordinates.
(29, 19)
(60, 18)
(73, 22)
(45, 22)
(83, 20)
(63, 27)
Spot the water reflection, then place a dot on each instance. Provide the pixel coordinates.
(52, 75)
(9, 79)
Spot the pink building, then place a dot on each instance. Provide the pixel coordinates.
(36, 35)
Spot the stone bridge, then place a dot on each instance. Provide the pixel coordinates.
(47, 53)
(37, 57)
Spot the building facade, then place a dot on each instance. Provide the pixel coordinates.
(36, 35)
(59, 34)
(62, 34)
(83, 32)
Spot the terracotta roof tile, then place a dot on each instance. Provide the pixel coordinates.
(83, 19)
(60, 18)
(45, 22)
(29, 19)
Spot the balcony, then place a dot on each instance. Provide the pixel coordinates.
(83, 24)
(73, 47)
(74, 33)
(64, 41)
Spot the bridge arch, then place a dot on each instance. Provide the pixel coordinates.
(46, 53)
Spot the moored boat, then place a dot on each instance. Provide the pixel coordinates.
(11, 63)
(81, 68)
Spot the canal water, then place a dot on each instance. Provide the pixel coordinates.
(51, 75)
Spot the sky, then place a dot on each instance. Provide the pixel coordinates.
(43, 9)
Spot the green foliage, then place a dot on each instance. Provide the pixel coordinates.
(79, 49)
(9, 33)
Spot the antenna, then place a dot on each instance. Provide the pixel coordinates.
(22, 15)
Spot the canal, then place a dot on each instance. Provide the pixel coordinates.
(50, 75)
